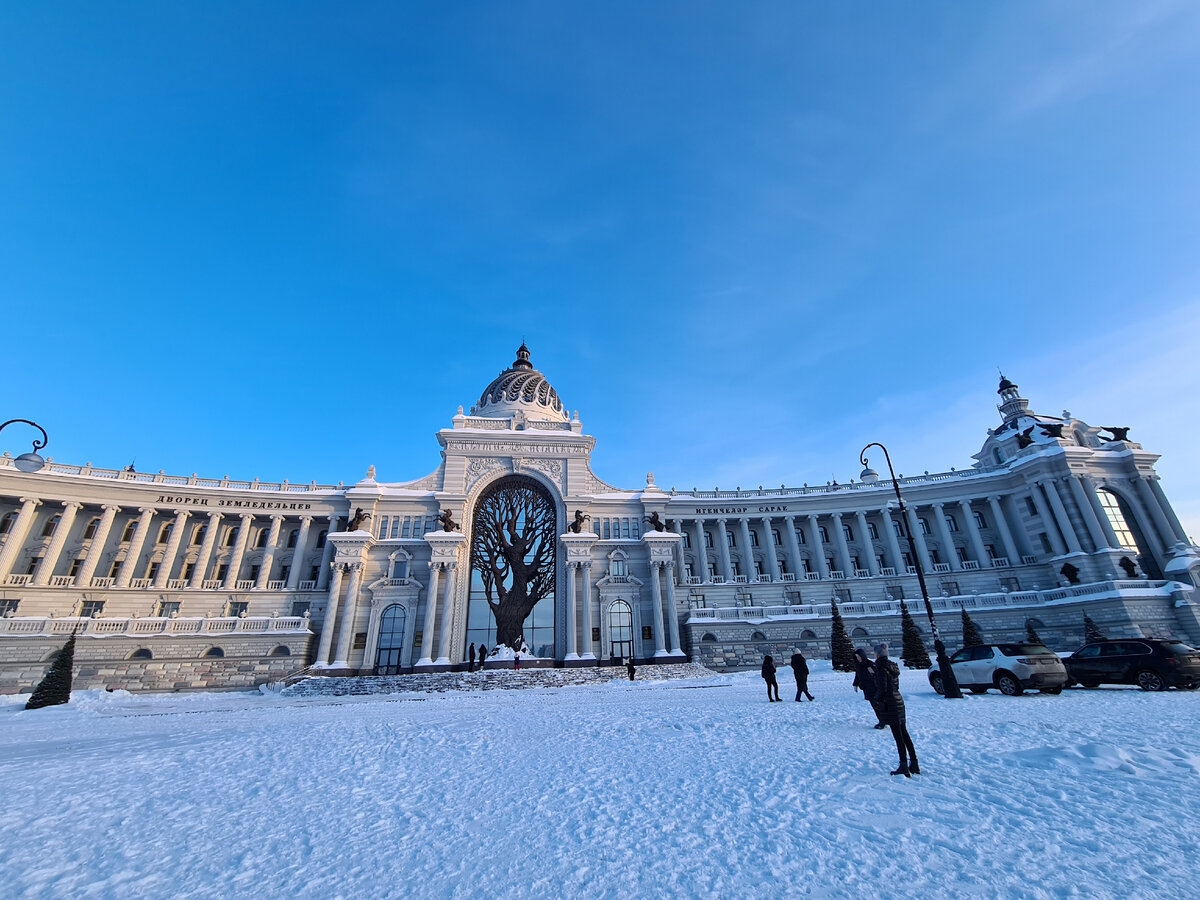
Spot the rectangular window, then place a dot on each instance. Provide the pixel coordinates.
(696, 601)
(222, 569)
(625, 528)
(33, 565)
(962, 554)
(847, 533)
(687, 571)
(1047, 548)
(168, 608)
(807, 565)
(842, 594)
(1030, 506)
(1010, 584)
(407, 525)
(980, 521)
(854, 561)
(637, 529)
(300, 607)
(237, 608)
(314, 573)
(712, 572)
(896, 590)
(730, 539)
(152, 570)
(114, 568)
(991, 551)
(188, 568)
(757, 569)
(395, 527)
(91, 608)
(8, 607)
(254, 570)
(777, 537)
(383, 528)
(284, 572)
(951, 588)
(75, 564)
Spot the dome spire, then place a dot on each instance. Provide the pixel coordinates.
(522, 360)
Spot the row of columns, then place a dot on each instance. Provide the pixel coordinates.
(1048, 498)
(585, 568)
(19, 534)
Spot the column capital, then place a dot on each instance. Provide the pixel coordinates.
(303, 519)
(354, 566)
(277, 517)
(181, 512)
(939, 505)
(34, 500)
(812, 517)
(147, 510)
(837, 516)
(246, 516)
(107, 506)
(72, 504)
(433, 565)
(335, 566)
(722, 522)
(214, 515)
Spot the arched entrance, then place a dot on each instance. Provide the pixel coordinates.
(620, 630)
(514, 564)
(391, 640)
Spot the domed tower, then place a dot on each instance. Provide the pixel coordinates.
(521, 389)
(1012, 405)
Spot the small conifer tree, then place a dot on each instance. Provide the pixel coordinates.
(842, 649)
(1091, 631)
(1031, 634)
(55, 688)
(913, 651)
(971, 635)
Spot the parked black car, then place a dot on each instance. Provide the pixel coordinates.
(1152, 665)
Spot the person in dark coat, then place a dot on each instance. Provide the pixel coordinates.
(864, 680)
(482, 656)
(471, 658)
(768, 674)
(800, 670)
(629, 668)
(891, 710)
(517, 662)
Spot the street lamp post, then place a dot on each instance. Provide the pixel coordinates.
(29, 462)
(950, 688)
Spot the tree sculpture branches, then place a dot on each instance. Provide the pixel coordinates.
(513, 543)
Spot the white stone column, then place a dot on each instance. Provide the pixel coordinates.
(677, 526)
(96, 550)
(169, 552)
(1110, 536)
(918, 539)
(327, 556)
(772, 559)
(17, 535)
(211, 530)
(572, 647)
(1056, 541)
(981, 556)
(45, 567)
(893, 543)
(702, 550)
(125, 573)
(1150, 503)
(349, 611)
(239, 550)
(331, 608)
(672, 613)
(1095, 532)
(431, 602)
(839, 541)
(864, 541)
(1006, 538)
(588, 644)
(723, 550)
(789, 525)
(268, 558)
(293, 581)
(656, 593)
(939, 513)
(1165, 505)
(1050, 485)
(814, 540)
(447, 618)
(747, 549)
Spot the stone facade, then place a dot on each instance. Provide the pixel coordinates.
(1050, 504)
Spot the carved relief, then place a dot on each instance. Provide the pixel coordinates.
(480, 466)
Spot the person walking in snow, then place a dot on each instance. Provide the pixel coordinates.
(891, 711)
(768, 674)
(471, 658)
(800, 670)
(864, 680)
(629, 668)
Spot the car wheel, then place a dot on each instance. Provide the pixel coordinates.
(1149, 680)
(936, 682)
(1054, 691)
(1008, 684)
(978, 690)
(1190, 686)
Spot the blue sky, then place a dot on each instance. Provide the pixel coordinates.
(287, 240)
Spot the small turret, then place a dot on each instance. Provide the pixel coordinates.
(1012, 405)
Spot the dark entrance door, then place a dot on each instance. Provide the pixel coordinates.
(391, 640)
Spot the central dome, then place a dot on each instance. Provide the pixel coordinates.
(521, 388)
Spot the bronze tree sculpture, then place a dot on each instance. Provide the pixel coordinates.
(513, 543)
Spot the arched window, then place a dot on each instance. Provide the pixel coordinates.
(292, 535)
(89, 530)
(263, 534)
(281, 650)
(924, 526)
(709, 638)
(48, 528)
(980, 521)
(872, 531)
(998, 456)
(951, 522)
(753, 538)
(776, 537)
(824, 534)
(198, 534)
(1111, 504)
(848, 532)
(620, 630)
(859, 632)
(6, 523)
(141, 653)
(321, 539)
(391, 640)
(214, 653)
(127, 534)
(758, 636)
(686, 541)
(230, 536)
(808, 634)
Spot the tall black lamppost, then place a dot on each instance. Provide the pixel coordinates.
(949, 683)
(29, 462)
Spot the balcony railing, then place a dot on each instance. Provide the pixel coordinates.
(308, 585)
(211, 584)
(999, 562)
(140, 583)
(118, 626)
(887, 572)
(836, 574)
(62, 580)
(941, 567)
(1029, 560)
(787, 576)
(244, 584)
(862, 573)
(18, 579)
(103, 582)
(177, 584)
(970, 565)
(276, 585)
(812, 576)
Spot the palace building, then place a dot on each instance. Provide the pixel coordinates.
(183, 582)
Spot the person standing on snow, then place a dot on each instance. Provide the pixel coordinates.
(517, 662)
(800, 670)
(864, 680)
(471, 658)
(768, 674)
(891, 710)
(629, 668)
(482, 656)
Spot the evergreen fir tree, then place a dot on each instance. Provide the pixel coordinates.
(55, 688)
(1031, 634)
(842, 650)
(1091, 631)
(971, 635)
(913, 651)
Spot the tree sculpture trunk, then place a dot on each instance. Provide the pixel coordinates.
(513, 541)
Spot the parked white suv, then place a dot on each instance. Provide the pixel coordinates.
(1010, 668)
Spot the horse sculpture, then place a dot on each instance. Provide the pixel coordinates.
(655, 522)
(576, 527)
(447, 520)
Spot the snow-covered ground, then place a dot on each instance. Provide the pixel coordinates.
(679, 788)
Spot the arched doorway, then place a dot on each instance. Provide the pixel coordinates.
(391, 640)
(620, 630)
(514, 564)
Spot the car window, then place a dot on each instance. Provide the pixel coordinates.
(960, 656)
(1179, 648)
(978, 653)
(1089, 652)
(1113, 649)
(1136, 649)
(1025, 650)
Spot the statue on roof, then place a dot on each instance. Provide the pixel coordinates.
(447, 520)
(358, 520)
(655, 522)
(1118, 434)
(576, 527)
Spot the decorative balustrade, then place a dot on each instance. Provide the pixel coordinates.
(999, 562)
(718, 579)
(910, 570)
(174, 584)
(1029, 560)
(112, 626)
(103, 582)
(140, 583)
(179, 480)
(862, 573)
(18, 579)
(862, 487)
(887, 572)
(62, 580)
(837, 574)
(244, 584)
(788, 576)
(393, 582)
(692, 579)
(308, 585)
(970, 565)
(211, 584)
(812, 576)
(177, 584)
(941, 567)
(276, 585)
(740, 579)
